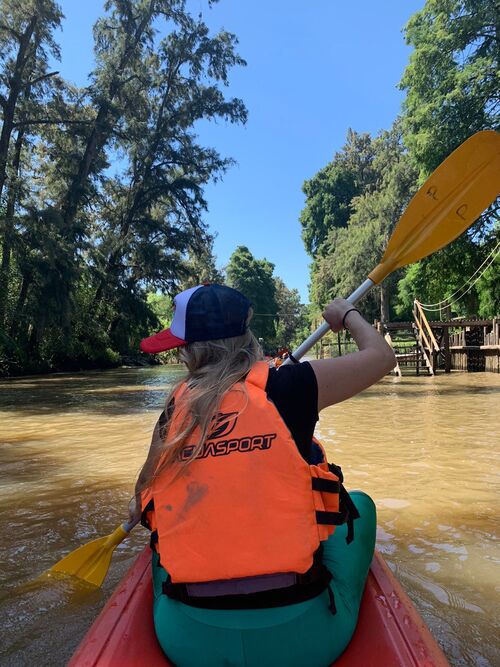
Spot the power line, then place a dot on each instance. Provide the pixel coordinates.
(276, 314)
(447, 302)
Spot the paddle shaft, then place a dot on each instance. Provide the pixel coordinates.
(325, 327)
(128, 525)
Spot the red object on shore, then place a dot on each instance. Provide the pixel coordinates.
(390, 631)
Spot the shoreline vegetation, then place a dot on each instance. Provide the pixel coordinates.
(102, 187)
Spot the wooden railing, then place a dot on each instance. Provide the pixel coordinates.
(388, 340)
(425, 336)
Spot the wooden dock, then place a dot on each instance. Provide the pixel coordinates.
(429, 346)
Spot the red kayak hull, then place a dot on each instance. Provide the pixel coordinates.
(390, 632)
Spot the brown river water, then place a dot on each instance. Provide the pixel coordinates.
(425, 448)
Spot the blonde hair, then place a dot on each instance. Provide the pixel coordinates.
(214, 366)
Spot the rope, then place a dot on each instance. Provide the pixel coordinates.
(276, 314)
(447, 302)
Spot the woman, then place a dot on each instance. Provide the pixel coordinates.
(253, 557)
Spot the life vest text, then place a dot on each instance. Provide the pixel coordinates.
(225, 447)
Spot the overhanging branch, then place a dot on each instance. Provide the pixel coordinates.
(51, 121)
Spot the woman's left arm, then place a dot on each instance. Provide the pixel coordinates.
(147, 469)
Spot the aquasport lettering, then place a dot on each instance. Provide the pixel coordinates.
(225, 447)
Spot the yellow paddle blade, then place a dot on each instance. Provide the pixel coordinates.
(451, 199)
(91, 562)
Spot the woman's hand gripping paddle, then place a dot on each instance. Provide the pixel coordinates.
(447, 204)
(91, 561)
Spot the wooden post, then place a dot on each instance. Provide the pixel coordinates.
(338, 344)
(447, 353)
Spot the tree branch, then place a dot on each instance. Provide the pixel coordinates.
(7, 28)
(52, 121)
(41, 78)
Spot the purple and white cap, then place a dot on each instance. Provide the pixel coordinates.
(204, 312)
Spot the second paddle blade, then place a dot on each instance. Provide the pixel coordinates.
(90, 562)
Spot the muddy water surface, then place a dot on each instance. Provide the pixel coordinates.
(425, 448)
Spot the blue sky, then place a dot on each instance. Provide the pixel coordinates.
(314, 69)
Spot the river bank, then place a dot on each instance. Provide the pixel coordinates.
(126, 361)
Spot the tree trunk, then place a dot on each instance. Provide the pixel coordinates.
(21, 300)
(100, 133)
(9, 108)
(9, 227)
(384, 303)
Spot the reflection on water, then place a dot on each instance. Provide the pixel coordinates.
(424, 448)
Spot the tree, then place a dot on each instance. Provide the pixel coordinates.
(352, 251)
(26, 41)
(452, 77)
(329, 194)
(254, 278)
(488, 290)
(452, 91)
(87, 243)
(292, 323)
(201, 267)
(26, 87)
(153, 224)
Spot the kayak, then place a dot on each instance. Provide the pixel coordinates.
(390, 631)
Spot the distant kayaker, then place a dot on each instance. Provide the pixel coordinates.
(253, 557)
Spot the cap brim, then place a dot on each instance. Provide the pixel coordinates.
(164, 340)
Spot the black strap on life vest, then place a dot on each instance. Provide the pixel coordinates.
(144, 515)
(350, 511)
(326, 485)
(347, 508)
(153, 540)
(308, 585)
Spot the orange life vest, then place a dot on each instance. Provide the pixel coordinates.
(249, 504)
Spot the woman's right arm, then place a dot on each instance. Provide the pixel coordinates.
(343, 377)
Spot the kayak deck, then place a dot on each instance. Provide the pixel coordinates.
(390, 632)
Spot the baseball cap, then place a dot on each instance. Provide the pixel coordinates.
(204, 312)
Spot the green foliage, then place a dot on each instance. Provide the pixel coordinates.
(463, 284)
(161, 305)
(452, 77)
(488, 289)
